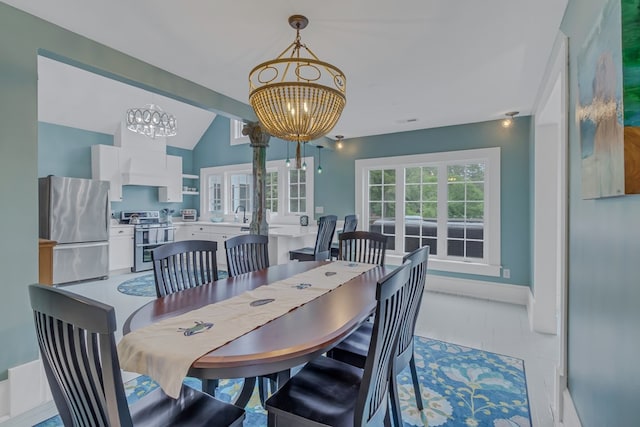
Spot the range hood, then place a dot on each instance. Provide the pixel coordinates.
(143, 160)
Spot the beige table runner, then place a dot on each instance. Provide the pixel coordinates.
(165, 350)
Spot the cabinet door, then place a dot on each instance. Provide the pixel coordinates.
(121, 249)
(173, 191)
(105, 166)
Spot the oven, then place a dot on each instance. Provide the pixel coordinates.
(146, 238)
(149, 233)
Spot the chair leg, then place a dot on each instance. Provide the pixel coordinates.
(394, 400)
(209, 386)
(416, 384)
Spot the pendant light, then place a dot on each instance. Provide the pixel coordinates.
(319, 159)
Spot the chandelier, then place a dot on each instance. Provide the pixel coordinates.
(297, 98)
(151, 121)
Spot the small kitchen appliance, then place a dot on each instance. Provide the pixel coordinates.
(189, 214)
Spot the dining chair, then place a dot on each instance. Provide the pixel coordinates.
(246, 253)
(362, 246)
(350, 224)
(354, 348)
(328, 392)
(322, 249)
(76, 338)
(184, 264)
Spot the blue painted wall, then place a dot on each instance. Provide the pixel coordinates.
(66, 151)
(604, 274)
(335, 187)
(19, 150)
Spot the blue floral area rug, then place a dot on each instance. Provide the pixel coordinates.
(145, 286)
(460, 387)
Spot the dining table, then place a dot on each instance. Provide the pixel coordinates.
(279, 345)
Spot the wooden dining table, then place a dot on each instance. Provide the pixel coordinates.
(279, 345)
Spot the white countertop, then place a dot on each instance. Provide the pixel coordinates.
(275, 230)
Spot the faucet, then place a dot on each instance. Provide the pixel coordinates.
(244, 213)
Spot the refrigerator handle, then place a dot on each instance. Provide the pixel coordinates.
(107, 214)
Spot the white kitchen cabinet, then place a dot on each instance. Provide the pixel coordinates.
(121, 248)
(173, 191)
(105, 166)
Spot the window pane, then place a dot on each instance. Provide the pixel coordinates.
(455, 173)
(375, 193)
(389, 210)
(303, 206)
(412, 193)
(475, 191)
(456, 191)
(375, 177)
(456, 210)
(390, 176)
(412, 209)
(429, 174)
(455, 248)
(293, 205)
(412, 175)
(475, 211)
(411, 244)
(433, 245)
(430, 192)
(389, 192)
(430, 211)
(375, 210)
(293, 190)
(475, 172)
(474, 249)
(303, 190)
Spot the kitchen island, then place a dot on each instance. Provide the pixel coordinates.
(282, 237)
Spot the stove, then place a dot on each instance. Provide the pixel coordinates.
(149, 233)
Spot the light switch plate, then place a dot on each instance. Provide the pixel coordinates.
(319, 209)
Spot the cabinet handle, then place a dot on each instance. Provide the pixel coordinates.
(121, 231)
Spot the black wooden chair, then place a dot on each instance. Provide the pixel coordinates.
(246, 253)
(322, 249)
(354, 348)
(328, 392)
(350, 224)
(185, 264)
(76, 338)
(362, 246)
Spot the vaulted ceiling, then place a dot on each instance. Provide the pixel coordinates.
(410, 64)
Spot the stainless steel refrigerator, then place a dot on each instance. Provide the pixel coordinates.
(75, 213)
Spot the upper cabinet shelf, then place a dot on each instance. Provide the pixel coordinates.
(188, 176)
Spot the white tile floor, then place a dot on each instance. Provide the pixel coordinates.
(487, 325)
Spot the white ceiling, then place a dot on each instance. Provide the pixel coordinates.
(410, 64)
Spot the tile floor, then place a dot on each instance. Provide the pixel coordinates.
(487, 325)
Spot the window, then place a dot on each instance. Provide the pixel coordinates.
(288, 191)
(448, 201)
(272, 192)
(297, 191)
(235, 133)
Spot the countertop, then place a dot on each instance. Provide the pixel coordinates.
(275, 230)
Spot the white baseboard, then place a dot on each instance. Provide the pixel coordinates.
(514, 294)
(569, 416)
(23, 394)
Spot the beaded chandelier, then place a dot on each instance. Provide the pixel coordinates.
(297, 98)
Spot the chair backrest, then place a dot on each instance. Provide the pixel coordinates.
(185, 264)
(247, 253)
(415, 289)
(76, 338)
(391, 296)
(362, 246)
(350, 223)
(326, 228)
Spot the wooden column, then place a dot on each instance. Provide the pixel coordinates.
(259, 142)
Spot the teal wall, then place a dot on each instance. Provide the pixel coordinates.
(66, 151)
(28, 36)
(335, 187)
(604, 275)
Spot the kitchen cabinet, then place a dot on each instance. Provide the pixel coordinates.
(45, 261)
(218, 234)
(121, 248)
(105, 166)
(173, 191)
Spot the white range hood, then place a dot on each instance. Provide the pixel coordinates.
(135, 159)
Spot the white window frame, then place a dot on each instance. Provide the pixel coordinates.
(283, 188)
(235, 133)
(491, 264)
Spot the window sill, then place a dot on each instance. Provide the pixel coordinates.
(454, 266)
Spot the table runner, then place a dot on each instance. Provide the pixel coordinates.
(166, 350)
